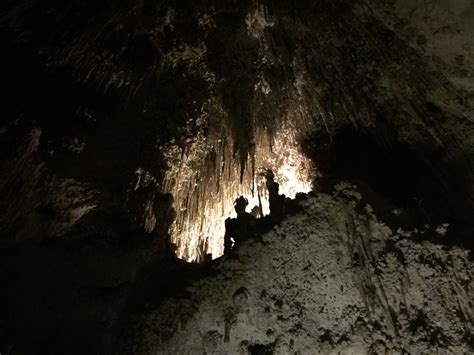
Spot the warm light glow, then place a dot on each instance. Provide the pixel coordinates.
(205, 189)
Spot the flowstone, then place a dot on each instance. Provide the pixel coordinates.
(327, 280)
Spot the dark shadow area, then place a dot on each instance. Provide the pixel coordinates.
(259, 349)
(408, 186)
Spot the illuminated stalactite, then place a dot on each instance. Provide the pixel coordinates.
(205, 180)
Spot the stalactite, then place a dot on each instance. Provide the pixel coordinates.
(205, 178)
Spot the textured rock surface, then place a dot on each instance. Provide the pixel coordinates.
(94, 91)
(441, 30)
(139, 80)
(327, 280)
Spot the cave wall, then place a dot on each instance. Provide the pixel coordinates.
(95, 90)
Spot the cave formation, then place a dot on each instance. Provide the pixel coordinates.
(129, 128)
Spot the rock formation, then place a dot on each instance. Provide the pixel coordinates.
(329, 279)
(121, 122)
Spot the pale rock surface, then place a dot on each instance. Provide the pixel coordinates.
(327, 280)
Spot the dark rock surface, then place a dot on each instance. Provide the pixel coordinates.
(92, 91)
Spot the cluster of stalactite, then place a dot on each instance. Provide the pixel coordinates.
(231, 81)
(206, 178)
(259, 112)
